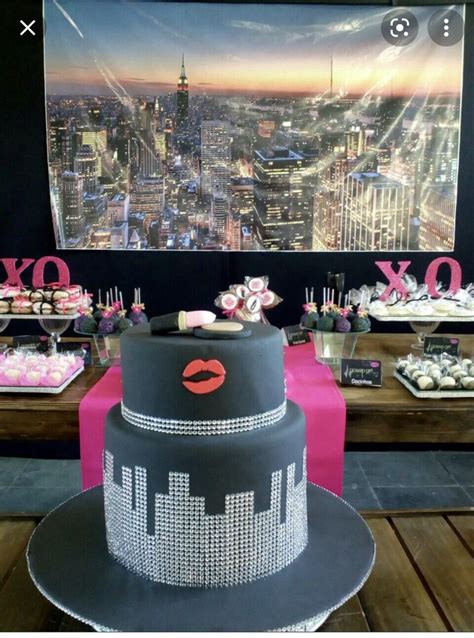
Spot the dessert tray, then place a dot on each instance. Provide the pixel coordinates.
(421, 318)
(37, 389)
(32, 315)
(433, 394)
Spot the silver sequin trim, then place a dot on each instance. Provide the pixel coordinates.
(215, 426)
(195, 549)
(101, 628)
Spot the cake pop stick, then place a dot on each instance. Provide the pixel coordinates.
(182, 320)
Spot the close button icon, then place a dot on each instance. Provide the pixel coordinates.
(27, 27)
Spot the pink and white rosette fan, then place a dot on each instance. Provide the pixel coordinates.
(248, 301)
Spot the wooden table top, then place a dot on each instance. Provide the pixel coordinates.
(390, 414)
(392, 396)
(421, 581)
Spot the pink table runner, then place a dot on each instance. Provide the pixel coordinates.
(309, 384)
(312, 386)
(92, 410)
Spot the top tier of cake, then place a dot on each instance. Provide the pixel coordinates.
(183, 377)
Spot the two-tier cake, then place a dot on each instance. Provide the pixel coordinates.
(205, 498)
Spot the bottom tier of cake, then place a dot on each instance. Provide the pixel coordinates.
(206, 511)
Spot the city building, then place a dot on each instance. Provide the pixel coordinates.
(279, 200)
(375, 213)
(242, 191)
(85, 165)
(148, 196)
(220, 210)
(437, 217)
(118, 208)
(442, 158)
(72, 214)
(234, 231)
(215, 156)
(327, 205)
(148, 162)
(97, 139)
(60, 144)
(95, 207)
(119, 236)
(182, 98)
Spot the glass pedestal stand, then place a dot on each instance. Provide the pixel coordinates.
(424, 325)
(4, 321)
(54, 325)
(422, 328)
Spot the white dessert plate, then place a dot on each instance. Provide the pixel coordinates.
(31, 315)
(41, 389)
(433, 394)
(420, 318)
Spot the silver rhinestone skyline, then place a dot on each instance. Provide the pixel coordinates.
(204, 427)
(195, 549)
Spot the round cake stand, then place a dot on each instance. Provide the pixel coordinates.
(423, 326)
(83, 580)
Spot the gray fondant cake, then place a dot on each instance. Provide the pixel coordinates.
(204, 462)
(205, 521)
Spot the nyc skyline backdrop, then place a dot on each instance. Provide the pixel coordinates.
(166, 122)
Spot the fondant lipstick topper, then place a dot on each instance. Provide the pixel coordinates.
(248, 301)
(182, 320)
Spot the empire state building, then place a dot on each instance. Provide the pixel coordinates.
(182, 98)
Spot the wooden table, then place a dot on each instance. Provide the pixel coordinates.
(422, 579)
(388, 415)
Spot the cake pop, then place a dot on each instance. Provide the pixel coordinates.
(106, 324)
(137, 315)
(123, 323)
(310, 317)
(86, 322)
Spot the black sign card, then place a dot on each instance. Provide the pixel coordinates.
(296, 335)
(40, 343)
(438, 345)
(77, 348)
(366, 372)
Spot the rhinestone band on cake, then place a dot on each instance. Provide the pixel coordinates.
(195, 549)
(202, 427)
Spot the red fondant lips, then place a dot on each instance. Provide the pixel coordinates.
(212, 373)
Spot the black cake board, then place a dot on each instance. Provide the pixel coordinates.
(69, 563)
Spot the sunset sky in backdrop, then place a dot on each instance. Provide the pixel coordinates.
(237, 49)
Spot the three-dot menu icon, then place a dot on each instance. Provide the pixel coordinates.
(446, 27)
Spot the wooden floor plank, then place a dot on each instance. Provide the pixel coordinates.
(445, 565)
(14, 535)
(22, 607)
(464, 526)
(349, 617)
(394, 598)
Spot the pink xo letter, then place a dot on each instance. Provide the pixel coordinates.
(38, 272)
(394, 278)
(432, 274)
